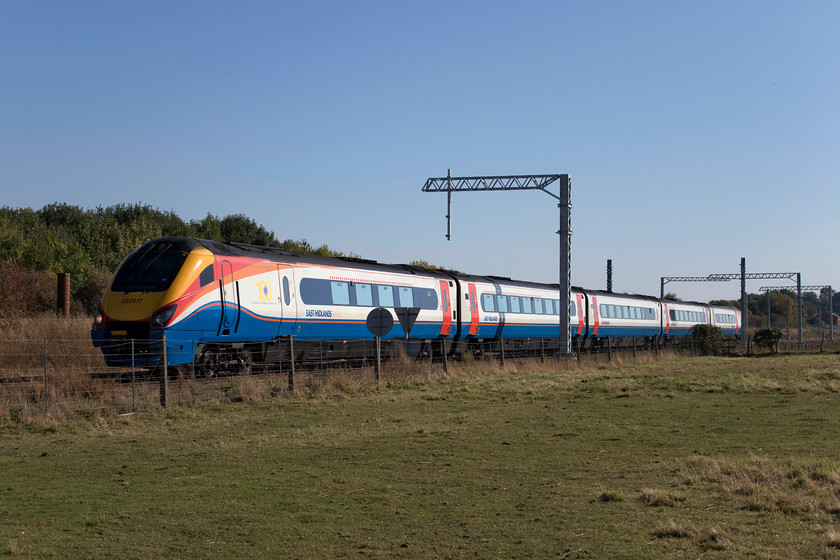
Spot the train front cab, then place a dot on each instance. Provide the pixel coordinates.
(144, 296)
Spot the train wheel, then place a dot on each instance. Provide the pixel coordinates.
(208, 364)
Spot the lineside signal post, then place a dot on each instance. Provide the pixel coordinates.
(450, 184)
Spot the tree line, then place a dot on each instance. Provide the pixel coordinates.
(35, 245)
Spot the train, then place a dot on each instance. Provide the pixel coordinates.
(231, 306)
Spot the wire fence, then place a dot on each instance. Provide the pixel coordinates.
(70, 377)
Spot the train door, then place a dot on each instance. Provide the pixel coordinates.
(473, 310)
(287, 300)
(229, 300)
(580, 314)
(446, 307)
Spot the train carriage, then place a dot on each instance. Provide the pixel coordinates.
(624, 316)
(727, 319)
(680, 317)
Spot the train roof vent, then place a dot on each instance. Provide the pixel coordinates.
(499, 277)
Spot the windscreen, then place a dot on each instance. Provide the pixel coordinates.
(151, 268)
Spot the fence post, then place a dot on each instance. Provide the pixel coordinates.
(164, 381)
(502, 349)
(445, 357)
(376, 371)
(133, 389)
(46, 385)
(292, 368)
(192, 370)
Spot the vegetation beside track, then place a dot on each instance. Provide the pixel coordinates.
(720, 457)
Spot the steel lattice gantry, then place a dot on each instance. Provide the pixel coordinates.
(801, 289)
(450, 184)
(743, 276)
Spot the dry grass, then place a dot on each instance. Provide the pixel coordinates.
(762, 484)
(656, 498)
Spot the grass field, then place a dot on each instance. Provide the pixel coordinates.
(680, 458)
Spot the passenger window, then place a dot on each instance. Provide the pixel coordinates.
(514, 304)
(549, 307)
(488, 302)
(503, 307)
(386, 296)
(538, 309)
(340, 293)
(406, 297)
(527, 305)
(364, 295)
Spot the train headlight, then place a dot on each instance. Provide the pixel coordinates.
(163, 316)
(98, 319)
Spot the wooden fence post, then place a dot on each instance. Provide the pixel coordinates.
(164, 381)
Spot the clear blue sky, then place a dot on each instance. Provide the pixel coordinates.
(696, 133)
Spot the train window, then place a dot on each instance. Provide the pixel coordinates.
(503, 303)
(386, 296)
(514, 304)
(673, 315)
(426, 298)
(314, 291)
(364, 295)
(488, 302)
(573, 307)
(604, 310)
(406, 297)
(538, 308)
(527, 305)
(473, 304)
(549, 307)
(151, 268)
(287, 297)
(206, 276)
(557, 307)
(340, 293)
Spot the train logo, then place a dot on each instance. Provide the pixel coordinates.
(264, 289)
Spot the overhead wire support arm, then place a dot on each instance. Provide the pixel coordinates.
(450, 184)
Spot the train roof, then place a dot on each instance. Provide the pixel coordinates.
(230, 248)
(274, 253)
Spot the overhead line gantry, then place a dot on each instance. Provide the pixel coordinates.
(450, 184)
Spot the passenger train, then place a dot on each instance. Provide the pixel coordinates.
(227, 306)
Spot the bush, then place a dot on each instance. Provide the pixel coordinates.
(768, 337)
(708, 340)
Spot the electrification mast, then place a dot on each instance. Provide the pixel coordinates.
(450, 184)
